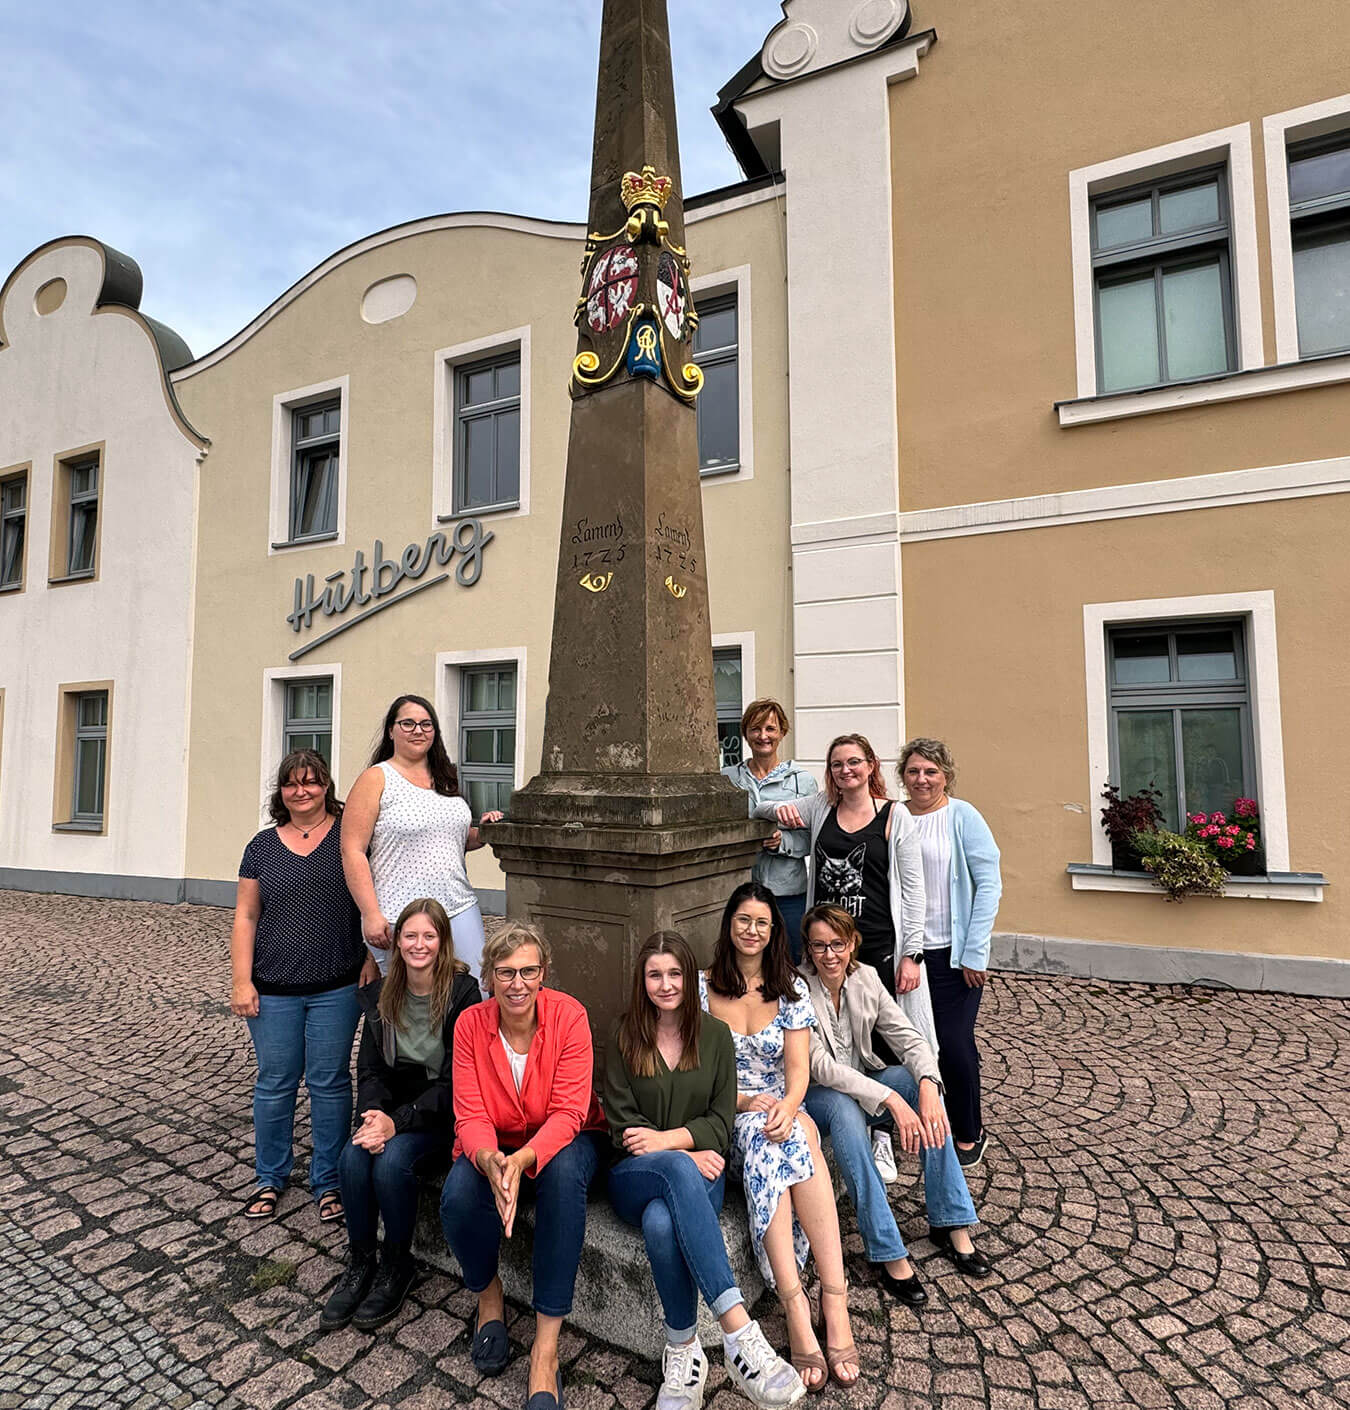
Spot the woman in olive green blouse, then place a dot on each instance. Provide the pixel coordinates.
(670, 1098)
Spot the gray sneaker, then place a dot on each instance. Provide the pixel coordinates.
(684, 1369)
(760, 1374)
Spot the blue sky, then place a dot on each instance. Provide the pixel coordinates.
(230, 147)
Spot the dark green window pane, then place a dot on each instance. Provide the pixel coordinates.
(478, 456)
(507, 480)
(1141, 659)
(478, 387)
(508, 379)
(1124, 224)
(727, 683)
(83, 521)
(479, 746)
(1206, 656)
(84, 479)
(93, 710)
(316, 498)
(1148, 756)
(716, 328)
(729, 742)
(1197, 344)
(310, 700)
(1211, 746)
(506, 690)
(89, 757)
(719, 432)
(1127, 313)
(482, 691)
(506, 746)
(1319, 175)
(320, 741)
(1189, 208)
(1322, 292)
(12, 496)
(11, 552)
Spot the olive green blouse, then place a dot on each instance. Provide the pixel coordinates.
(703, 1100)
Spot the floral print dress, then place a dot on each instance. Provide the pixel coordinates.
(768, 1169)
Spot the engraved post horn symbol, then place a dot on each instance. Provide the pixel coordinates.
(675, 589)
(596, 582)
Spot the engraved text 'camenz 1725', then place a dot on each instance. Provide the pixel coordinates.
(376, 585)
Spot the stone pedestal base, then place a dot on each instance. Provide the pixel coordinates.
(597, 892)
(615, 1296)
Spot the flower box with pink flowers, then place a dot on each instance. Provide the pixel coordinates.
(1233, 839)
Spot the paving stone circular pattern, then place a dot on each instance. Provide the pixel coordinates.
(1165, 1195)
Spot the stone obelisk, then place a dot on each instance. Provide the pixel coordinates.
(629, 827)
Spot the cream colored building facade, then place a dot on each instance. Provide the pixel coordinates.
(1037, 443)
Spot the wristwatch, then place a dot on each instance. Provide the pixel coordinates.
(918, 959)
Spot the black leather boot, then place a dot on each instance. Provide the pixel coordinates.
(351, 1288)
(396, 1274)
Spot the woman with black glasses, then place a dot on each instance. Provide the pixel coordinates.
(406, 832)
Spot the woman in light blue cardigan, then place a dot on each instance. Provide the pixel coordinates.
(962, 886)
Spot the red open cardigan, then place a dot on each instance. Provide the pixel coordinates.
(556, 1097)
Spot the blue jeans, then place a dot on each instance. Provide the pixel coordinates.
(307, 1035)
(385, 1184)
(473, 1228)
(847, 1125)
(792, 909)
(676, 1208)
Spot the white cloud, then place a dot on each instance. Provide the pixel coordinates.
(230, 148)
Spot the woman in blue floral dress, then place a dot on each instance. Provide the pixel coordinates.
(752, 987)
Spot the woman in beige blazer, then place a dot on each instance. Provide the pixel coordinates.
(852, 1090)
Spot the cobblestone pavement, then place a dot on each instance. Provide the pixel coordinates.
(1166, 1195)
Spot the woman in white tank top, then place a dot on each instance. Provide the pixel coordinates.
(406, 830)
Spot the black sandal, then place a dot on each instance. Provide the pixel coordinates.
(330, 1206)
(262, 1204)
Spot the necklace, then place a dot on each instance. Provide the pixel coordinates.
(304, 832)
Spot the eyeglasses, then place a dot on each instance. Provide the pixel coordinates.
(828, 947)
(759, 926)
(416, 726)
(837, 766)
(504, 974)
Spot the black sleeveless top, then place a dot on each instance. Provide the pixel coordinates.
(853, 872)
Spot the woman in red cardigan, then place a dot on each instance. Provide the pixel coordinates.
(524, 1106)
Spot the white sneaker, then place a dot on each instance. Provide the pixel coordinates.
(684, 1369)
(759, 1373)
(883, 1157)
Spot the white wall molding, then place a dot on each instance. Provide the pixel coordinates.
(1279, 130)
(284, 404)
(1258, 608)
(1255, 486)
(274, 681)
(1229, 145)
(444, 363)
(1234, 386)
(727, 281)
(1238, 888)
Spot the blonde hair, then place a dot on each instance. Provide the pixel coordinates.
(507, 939)
(935, 751)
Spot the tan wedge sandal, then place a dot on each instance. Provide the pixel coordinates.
(839, 1356)
(803, 1361)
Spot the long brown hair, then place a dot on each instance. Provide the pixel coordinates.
(303, 761)
(876, 785)
(637, 1028)
(777, 978)
(444, 775)
(395, 988)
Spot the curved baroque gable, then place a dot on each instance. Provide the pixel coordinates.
(817, 34)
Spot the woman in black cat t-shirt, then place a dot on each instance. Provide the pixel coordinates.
(865, 859)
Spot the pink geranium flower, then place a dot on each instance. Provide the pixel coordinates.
(1232, 829)
(1223, 841)
(1217, 818)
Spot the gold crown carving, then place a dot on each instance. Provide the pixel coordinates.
(645, 189)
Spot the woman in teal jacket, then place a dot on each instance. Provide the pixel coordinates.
(962, 886)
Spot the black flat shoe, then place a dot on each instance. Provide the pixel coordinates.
(490, 1350)
(542, 1400)
(909, 1290)
(968, 1160)
(973, 1264)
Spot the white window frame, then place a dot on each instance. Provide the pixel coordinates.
(1281, 131)
(274, 682)
(713, 285)
(1231, 146)
(449, 693)
(445, 361)
(284, 407)
(1263, 673)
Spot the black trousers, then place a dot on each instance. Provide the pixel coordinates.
(955, 1008)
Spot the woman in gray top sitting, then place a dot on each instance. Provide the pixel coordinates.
(852, 1090)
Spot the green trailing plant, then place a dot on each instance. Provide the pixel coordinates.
(1182, 866)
